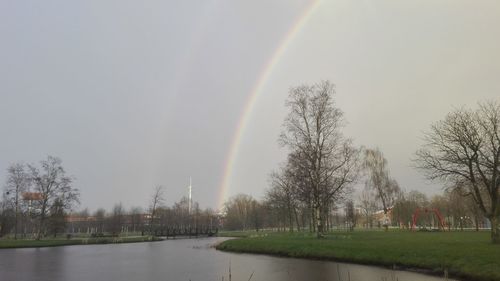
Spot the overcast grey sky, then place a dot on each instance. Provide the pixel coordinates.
(131, 94)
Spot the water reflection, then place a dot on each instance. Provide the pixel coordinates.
(190, 259)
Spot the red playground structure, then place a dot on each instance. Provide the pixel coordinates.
(416, 214)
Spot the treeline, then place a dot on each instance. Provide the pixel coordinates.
(243, 212)
(159, 220)
(458, 212)
(39, 200)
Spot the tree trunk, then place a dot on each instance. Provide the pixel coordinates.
(296, 219)
(40, 227)
(313, 220)
(386, 223)
(290, 216)
(495, 234)
(42, 223)
(319, 222)
(17, 211)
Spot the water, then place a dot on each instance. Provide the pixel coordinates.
(178, 260)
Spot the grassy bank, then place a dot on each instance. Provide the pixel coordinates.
(466, 255)
(25, 243)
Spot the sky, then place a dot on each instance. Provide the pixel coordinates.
(132, 94)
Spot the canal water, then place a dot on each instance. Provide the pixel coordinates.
(177, 260)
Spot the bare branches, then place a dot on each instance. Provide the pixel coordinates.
(18, 181)
(325, 159)
(386, 189)
(157, 200)
(52, 186)
(463, 150)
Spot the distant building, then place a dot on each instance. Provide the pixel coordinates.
(383, 219)
(29, 198)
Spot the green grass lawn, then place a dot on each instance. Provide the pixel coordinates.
(468, 255)
(48, 242)
(239, 234)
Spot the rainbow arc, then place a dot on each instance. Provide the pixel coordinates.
(254, 95)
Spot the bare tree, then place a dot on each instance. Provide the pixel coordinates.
(116, 221)
(136, 220)
(298, 174)
(386, 189)
(52, 185)
(405, 206)
(463, 149)
(6, 216)
(256, 215)
(157, 200)
(351, 215)
(57, 218)
(17, 183)
(474, 211)
(99, 223)
(368, 205)
(312, 131)
(283, 195)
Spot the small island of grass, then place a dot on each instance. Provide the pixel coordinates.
(53, 242)
(464, 255)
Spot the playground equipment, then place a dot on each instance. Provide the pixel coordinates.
(416, 214)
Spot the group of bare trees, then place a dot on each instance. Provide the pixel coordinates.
(36, 198)
(180, 217)
(157, 219)
(276, 213)
(458, 211)
(322, 163)
(39, 200)
(243, 212)
(137, 221)
(463, 150)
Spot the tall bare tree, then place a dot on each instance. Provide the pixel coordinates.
(17, 183)
(52, 185)
(386, 189)
(463, 150)
(157, 199)
(313, 132)
(136, 220)
(6, 216)
(117, 219)
(351, 215)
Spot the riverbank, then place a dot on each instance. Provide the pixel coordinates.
(30, 243)
(464, 255)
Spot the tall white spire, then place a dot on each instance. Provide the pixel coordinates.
(190, 201)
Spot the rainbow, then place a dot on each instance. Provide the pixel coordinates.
(253, 96)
